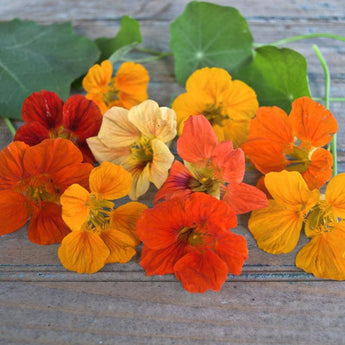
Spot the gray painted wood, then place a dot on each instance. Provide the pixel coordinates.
(272, 302)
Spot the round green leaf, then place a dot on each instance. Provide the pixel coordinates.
(278, 76)
(34, 57)
(209, 35)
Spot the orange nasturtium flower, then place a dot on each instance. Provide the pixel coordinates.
(32, 178)
(277, 141)
(136, 139)
(47, 116)
(228, 104)
(214, 168)
(277, 228)
(126, 89)
(190, 237)
(100, 234)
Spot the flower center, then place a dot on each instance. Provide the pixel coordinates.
(62, 132)
(195, 236)
(111, 95)
(142, 149)
(100, 212)
(214, 114)
(298, 159)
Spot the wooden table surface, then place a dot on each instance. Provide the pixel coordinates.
(272, 302)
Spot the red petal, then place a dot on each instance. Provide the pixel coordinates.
(232, 248)
(197, 141)
(82, 117)
(230, 163)
(243, 198)
(46, 225)
(200, 272)
(176, 185)
(32, 133)
(14, 212)
(44, 107)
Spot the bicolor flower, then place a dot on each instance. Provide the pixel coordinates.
(214, 168)
(47, 116)
(228, 104)
(137, 139)
(126, 89)
(32, 178)
(277, 141)
(190, 238)
(100, 233)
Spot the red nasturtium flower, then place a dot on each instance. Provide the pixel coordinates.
(190, 237)
(32, 178)
(272, 144)
(47, 116)
(214, 168)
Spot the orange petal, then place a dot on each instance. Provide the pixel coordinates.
(98, 77)
(313, 124)
(83, 252)
(14, 211)
(75, 211)
(46, 225)
(201, 272)
(335, 195)
(323, 256)
(110, 181)
(197, 129)
(125, 218)
(121, 245)
(270, 135)
(276, 228)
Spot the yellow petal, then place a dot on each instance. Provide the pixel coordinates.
(75, 211)
(335, 195)
(98, 77)
(276, 228)
(140, 182)
(324, 255)
(125, 218)
(83, 252)
(110, 181)
(161, 163)
(154, 122)
(289, 188)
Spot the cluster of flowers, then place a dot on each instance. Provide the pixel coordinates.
(46, 176)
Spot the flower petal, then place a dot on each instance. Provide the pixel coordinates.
(83, 252)
(110, 181)
(82, 117)
(323, 256)
(46, 225)
(197, 141)
(14, 211)
(140, 182)
(276, 228)
(243, 198)
(32, 133)
(98, 77)
(313, 124)
(335, 195)
(75, 211)
(44, 107)
(120, 244)
(201, 272)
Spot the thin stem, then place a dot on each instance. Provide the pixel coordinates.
(301, 37)
(152, 58)
(149, 51)
(331, 99)
(326, 98)
(10, 125)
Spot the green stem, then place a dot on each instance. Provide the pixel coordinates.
(301, 37)
(327, 99)
(152, 58)
(331, 99)
(149, 51)
(10, 126)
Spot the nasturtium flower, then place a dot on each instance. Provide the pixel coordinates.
(100, 233)
(47, 116)
(277, 141)
(228, 104)
(126, 89)
(214, 168)
(190, 237)
(32, 178)
(137, 139)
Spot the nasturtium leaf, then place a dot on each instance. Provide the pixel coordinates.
(128, 35)
(34, 57)
(209, 35)
(278, 76)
